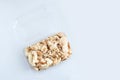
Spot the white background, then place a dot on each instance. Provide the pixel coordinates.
(93, 30)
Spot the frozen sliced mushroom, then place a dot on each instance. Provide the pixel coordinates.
(48, 52)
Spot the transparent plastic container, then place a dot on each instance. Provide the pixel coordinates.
(31, 27)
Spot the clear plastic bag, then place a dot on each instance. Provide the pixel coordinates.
(33, 26)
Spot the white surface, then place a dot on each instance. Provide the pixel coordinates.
(93, 28)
